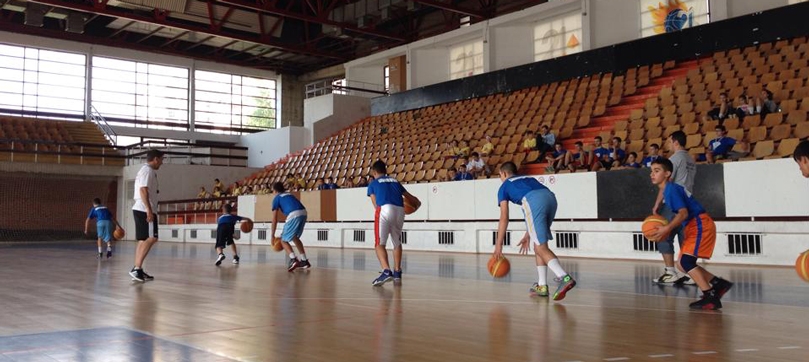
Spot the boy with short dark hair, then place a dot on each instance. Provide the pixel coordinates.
(598, 155)
(700, 236)
(631, 161)
(577, 159)
(287, 204)
(462, 175)
(225, 228)
(801, 157)
(556, 160)
(539, 209)
(654, 149)
(104, 226)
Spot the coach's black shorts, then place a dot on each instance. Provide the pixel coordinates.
(142, 231)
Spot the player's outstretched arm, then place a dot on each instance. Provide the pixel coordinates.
(501, 229)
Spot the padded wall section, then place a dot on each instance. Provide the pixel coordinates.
(629, 194)
(50, 207)
(766, 188)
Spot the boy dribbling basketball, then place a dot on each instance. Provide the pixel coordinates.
(539, 207)
(225, 227)
(700, 236)
(105, 223)
(289, 205)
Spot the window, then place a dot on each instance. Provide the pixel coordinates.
(466, 60)
(666, 16)
(155, 95)
(42, 81)
(226, 101)
(557, 36)
(386, 76)
(338, 83)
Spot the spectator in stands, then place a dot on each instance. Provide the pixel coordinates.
(617, 155)
(765, 104)
(347, 184)
(452, 149)
(545, 141)
(556, 161)
(451, 174)
(300, 182)
(290, 182)
(330, 185)
(465, 150)
(217, 183)
(217, 192)
(599, 156)
(631, 161)
(363, 182)
(721, 147)
(235, 190)
(529, 142)
(654, 149)
(320, 184)
(577, 159)
(488, 147)
(203, 194)
(463, 175)
(723, 109)
(744, 106)
(476, 166)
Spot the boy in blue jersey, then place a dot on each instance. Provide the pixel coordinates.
(577, 159)
(539, 208)
(721, 147)
(700, 236)
(801, 157)
(387, 196)
(104, 226)
(225, 227)
(289, 205)
(599, 155)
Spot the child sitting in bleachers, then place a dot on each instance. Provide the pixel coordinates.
(654, 149)
(576, 159)
(529, 141)
(556, 160)
(631, 161)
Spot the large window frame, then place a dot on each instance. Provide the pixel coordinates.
(558, 36)
(466, 60)
(228, 103)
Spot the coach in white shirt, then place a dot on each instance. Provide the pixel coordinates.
(145, 212)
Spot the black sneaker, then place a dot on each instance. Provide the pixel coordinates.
(100, 255)
(109, 254)
(146, 276)
(709, 301)
(293, 264)
(219, 259)
(235, 259)
(721, 286)
(304, 264)
(137, 274)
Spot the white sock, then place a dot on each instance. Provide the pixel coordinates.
(303, 257)
(99, 250)
(292, 255)
(556, 268)
(542, 271)
(671, 270)
(109, 247)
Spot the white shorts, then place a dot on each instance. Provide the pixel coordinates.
(388, 222)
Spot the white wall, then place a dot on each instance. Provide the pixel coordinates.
(765, 188)
(507, 45)
(613, 21)
(743, 7)
(266, 147)
(328, 114)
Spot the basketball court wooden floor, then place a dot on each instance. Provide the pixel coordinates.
(60, 304)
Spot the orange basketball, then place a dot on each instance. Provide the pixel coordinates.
(247, 226)
(651, 224)
(119, 233)
(802, 266)
(499, 268)
(410, 205)
(276, 244)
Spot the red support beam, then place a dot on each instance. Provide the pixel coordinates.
(160, 18)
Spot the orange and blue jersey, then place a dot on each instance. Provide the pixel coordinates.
(387, 191)
(699, 228)
(515, 188)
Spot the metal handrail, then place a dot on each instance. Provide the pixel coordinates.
(102, 124)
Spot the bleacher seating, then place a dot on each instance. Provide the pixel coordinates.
(54, 142)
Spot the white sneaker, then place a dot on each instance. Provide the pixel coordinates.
(219, 259)
(666, 278)
(684, 280)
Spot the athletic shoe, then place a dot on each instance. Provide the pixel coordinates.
(100, 255)
(383, 278)
(293, 264)
(709, 301)
(550, 169)
(109, 254)
(721, 286)
(304, 264)
(137, 274)
(235, 259)
(219, 259)
(147, 276)
(666, 278)
(397, 275)
(539, 290)
(684, 279)
(567, 284)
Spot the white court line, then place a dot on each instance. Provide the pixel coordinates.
(661, 355)
(790, 347)
(617, 359)
(704, 352)
(747, 350)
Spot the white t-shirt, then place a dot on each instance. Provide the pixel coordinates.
(473, 165)
(147, 177)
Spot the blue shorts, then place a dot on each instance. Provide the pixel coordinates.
(667, 246)
(104, 229)
(293, 228)
(539, 208)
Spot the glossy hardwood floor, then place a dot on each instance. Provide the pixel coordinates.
(60, 304)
